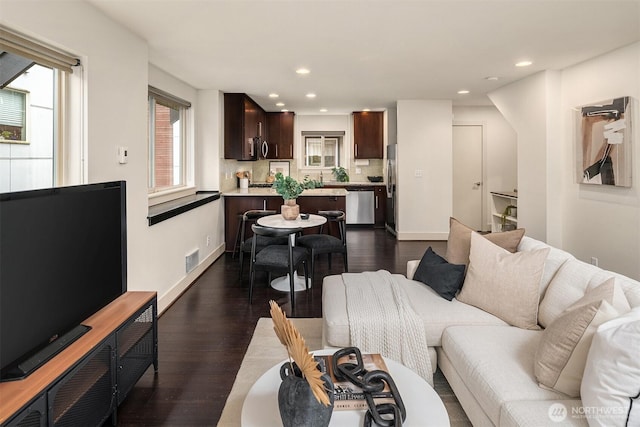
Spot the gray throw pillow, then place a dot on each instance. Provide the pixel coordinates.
(444, 278)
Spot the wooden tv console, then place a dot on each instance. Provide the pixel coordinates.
(85, 383)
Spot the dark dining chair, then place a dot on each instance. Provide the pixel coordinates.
(321, 243)
(249, 218)
(277, 258)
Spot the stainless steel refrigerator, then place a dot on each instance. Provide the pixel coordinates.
(392, 155)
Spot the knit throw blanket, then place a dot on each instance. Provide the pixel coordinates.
(381, 320)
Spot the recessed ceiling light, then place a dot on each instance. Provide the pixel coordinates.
(491, 78)
(284, 110)
(323, 110)
(280, 104)
(303, 71)
(463, 92)
(366, 109)
(523, 63)
(311, 95)
(273, 95)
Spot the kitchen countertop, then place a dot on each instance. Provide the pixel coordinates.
(271, 192)
(355, 184)
(332, 184)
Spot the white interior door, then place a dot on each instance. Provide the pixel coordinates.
(467, 175)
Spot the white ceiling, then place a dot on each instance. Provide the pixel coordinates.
(370, 53)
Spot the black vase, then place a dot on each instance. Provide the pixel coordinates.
(298, 406)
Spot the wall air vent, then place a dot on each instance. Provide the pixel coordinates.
(192, 260)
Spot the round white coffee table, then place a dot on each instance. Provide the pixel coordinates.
(424, 406)
(277, 221)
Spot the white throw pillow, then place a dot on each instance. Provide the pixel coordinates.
(611, 378)
(504, 284)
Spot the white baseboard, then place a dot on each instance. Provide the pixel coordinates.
(422, 236)
(165, 300)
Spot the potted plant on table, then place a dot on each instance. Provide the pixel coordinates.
(290, 189)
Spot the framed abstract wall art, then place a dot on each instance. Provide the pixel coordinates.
(603, 142)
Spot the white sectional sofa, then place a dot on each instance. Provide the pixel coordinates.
(490, 365)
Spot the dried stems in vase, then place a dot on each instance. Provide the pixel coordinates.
(298, 352)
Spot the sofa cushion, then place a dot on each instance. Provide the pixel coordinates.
(561, 356)
(504, 284)
(436, 312)
(611, 377)
(496, 364)
(459, 241)
(574, 279)
(536, 413)
(444, 278)
(630, 287)
(555, 260)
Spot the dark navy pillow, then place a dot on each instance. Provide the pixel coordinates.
(444, 278)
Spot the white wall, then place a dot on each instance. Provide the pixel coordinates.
(500, 151)
(524, 104)
(602, 222)
(425, 138)
(588, 221)
(115, 113)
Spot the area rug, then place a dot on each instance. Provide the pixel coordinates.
(265, 351)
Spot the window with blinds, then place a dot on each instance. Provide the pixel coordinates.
(322, 151)
(13, 109)
(32, 81)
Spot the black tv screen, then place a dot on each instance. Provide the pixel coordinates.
(63, 257)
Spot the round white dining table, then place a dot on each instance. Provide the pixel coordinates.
(277, 221)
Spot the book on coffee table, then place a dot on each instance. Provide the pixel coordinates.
(348, 396)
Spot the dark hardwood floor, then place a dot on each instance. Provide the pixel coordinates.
(203, 336)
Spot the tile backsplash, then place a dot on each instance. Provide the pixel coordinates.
(259, 171)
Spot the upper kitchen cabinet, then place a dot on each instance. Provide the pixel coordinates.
(280, 135)
(244, 127)
(368, 134)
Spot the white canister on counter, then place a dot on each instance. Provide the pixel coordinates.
(244, 182)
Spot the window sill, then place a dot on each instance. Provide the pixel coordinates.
(14, 141)
(166, 210)
(170, 195)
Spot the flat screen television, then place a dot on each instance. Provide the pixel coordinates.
(63, 257)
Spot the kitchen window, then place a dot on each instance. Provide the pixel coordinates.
(168, 136)
(322, 151)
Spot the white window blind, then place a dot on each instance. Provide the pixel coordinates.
(12, 107)
(168, 99)
(13, 42)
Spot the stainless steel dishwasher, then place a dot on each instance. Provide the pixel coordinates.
(360, 205)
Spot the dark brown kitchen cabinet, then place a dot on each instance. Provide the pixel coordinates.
(368, 134)
(380, 206)
(280, 135)
(234, 206)
(244, 127)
